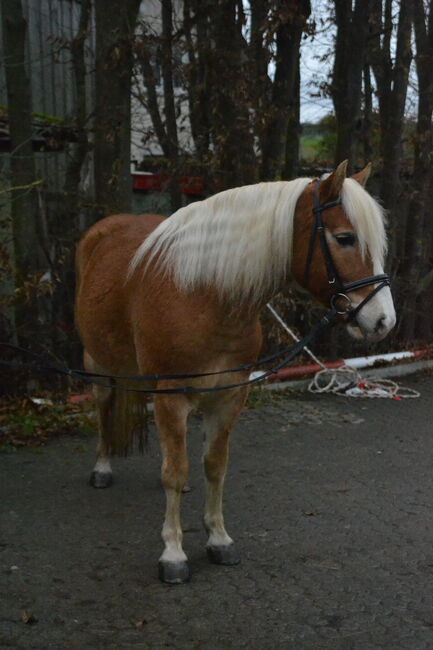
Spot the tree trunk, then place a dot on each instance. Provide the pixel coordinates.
(393, 131)
(23, 201)
(79, 149)
(392, 81)
(28, 259)
(418, 229)
(259, 55)
(368, 116)
(234, 160)
(292, 16)
(66, 224)
(169, 104)
(346, 89)
(196, 16)
(291, 165)
(115, 26)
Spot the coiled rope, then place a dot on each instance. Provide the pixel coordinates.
(345, 380)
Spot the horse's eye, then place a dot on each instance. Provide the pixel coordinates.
(346, 239)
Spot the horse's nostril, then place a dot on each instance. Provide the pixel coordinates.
(380, 323)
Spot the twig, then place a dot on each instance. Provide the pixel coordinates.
(23, 187)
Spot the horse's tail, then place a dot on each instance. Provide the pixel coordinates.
(123, 421)
(122, 414)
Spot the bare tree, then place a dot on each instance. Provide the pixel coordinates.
(346, 87)
(196, 25)
(154, 52)
(80, 120)
(417, 254)
(392, 82)
(290, 17)
(114, 61)
(260, 57)
(22, 168)
(234, 161)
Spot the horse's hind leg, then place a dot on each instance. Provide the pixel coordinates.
(171, 414)
(101, 476)
(218, 422)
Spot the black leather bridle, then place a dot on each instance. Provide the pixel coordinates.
(340, 288)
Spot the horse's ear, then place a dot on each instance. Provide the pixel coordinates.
(362, 176)
(330, 188)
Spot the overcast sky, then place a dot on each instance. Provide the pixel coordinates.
(314, 71)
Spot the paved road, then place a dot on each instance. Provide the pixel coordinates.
(329, 500)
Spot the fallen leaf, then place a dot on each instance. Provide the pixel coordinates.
(28, 619)
(141, 623)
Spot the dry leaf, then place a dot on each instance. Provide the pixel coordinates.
(141, 623)
(28, 619)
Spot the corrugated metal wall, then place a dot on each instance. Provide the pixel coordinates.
(51, 25)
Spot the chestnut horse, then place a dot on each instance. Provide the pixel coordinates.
(183, 295)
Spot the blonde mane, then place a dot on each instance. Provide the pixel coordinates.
(240, 241)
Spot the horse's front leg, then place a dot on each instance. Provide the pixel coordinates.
(171, 414)
(218, 422)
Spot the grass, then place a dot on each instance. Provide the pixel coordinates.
(310, 146)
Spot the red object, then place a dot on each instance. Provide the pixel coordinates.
(77, 399)
(149, 182)
(191, 185)
(421, 353)
(307, 369)
(285, 374)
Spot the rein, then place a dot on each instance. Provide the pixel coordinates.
(95, 378)
(341, 290)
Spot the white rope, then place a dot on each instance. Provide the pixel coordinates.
(292, 334)
(347, 381)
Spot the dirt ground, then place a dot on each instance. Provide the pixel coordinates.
(328, 498)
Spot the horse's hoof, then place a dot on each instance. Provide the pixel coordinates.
(100, 479)
(174, 573)
(226, 555)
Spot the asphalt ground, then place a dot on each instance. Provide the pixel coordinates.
(329, 500)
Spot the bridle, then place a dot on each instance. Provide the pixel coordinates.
(340, 288)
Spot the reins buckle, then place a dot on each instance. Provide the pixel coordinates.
(337, 296)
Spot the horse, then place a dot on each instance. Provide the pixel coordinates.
(182, 296)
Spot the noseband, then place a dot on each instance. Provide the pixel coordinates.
(340, 289)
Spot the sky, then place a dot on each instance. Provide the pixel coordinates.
(313, 70)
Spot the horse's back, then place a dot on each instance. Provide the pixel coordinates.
(102, 310)
(125, 228)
